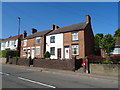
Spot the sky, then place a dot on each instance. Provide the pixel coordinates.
(41, 16)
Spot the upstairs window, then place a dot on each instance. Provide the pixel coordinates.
(75, 50)
(74, 36)
(52, 39)
(38, 40)
(25, 43)
(52, 50)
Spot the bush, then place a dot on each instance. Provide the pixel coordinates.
(114, 59)
(95, 59)
(7, 53)
(46, 54)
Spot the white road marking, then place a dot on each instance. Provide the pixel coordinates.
(4, 73)
(36, 82)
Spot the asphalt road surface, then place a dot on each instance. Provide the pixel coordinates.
(23, 77)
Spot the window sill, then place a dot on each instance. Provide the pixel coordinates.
(74, 40)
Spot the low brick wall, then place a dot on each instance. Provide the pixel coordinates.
(23, 61)
(55, 64)
(104, 69)
(13, 61)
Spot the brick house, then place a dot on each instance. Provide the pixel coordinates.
(73, 40)
(34, 45)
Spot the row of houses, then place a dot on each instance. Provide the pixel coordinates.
(62, 42)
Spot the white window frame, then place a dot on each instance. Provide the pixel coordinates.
(37, 52)
(74, 36)
(37, 39)
(25, 43)
(75, 46)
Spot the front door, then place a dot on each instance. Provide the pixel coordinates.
(33, 53)
(67, 53)
(28, 53)
(59, 53)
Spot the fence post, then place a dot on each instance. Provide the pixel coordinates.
(87, 66)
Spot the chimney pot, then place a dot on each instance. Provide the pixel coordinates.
(56, 27)
(34, 30)
(88, 19)
(53, 27)
(24, 34)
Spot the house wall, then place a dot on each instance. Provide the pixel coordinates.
(89, 40)
(116, 51)
(31, 43)
(68, 42)
(11, 47)
(58, 44)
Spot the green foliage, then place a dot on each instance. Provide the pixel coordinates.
(106, 62)
(108, 43)
(97, 41)
(117, 33)
(7, 53)
(15, 57)
(46, 54)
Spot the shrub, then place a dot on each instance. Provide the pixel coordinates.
(95, 59)
(107, 62)
(115, 58)
(11, 53)
(46, 54)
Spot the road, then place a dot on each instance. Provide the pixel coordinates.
(23, 77)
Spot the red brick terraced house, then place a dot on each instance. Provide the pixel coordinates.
(73, 40)
(34, 45)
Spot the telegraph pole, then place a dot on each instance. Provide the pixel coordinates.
(18, 47)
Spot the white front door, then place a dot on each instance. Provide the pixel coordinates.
(33, 53)
(67, 53)
(28, 53)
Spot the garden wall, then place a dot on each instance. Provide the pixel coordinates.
(23, 61)
(66, 64)
(20, 61)
(104, 69)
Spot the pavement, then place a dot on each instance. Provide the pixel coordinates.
(69, 73)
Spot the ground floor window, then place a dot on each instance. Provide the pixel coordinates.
(52, 50)
(37, 50)
(75, 50)
(24, 51)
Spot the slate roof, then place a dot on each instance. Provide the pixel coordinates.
(74, 27)
(38, 34)
(13, 37)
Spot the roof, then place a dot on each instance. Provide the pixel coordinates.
(74, 27)
(13, 37)
(117, 41)
(38, 34)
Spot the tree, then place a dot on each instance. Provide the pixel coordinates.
(108, 44)
(117, 33)
(97, 40)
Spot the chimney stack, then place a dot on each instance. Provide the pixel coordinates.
(53, 27)
(34, 30)
(56, 27)
(88, 19)
(24, 34)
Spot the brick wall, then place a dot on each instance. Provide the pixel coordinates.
(24, 62)
(89, 40)
(13, 61)
(68, 42)
(32, 43)
(54, 64)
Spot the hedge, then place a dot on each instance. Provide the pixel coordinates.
(98, 59)
(7, 53)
